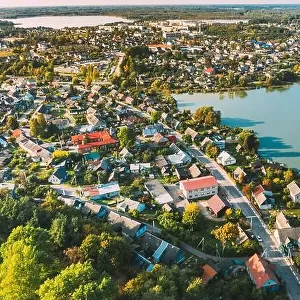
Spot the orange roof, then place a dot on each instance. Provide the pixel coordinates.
(94, 139)
(258, 190)
(199, 183)
(260, 270)
(16, 133)
(160, 46)
(208, 273)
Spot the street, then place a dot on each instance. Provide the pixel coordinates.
(238, 200)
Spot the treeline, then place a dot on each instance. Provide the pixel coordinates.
(52, 251)
(266, 12)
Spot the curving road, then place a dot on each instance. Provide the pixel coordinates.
(238, 200)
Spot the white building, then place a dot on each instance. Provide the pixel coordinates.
(199, 187)
(225, 159)
(294, 191)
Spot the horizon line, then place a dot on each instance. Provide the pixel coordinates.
(149, 5)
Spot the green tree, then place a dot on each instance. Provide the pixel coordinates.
(27, 260)
(192, 216)
(126, 135)
(49, 76)
(248, 141)
(229, 232)
(78, 281)
(162, 283)
(12, 123)
(195, 289)
(155, 116)
(206, 116)
(107, 252)
(187, 139)
(34, 127)
(169, 221)
(211, 150)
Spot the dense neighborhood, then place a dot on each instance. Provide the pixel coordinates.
(97, 160)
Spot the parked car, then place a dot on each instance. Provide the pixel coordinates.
(259, 239)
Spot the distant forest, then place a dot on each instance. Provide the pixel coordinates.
(260, 13)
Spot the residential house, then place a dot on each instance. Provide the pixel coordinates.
(282, 221)
(205, 142)
(239, 174)
(288, 239)
(181, 205)
(3, 142)
(181, 173)
(219, 141)
(193, 134)
(125, 154)
(199, 187)
(158, 192)
(194, 171)
(225, 159)
(159, 251)
(151, 130)
(59, 176)
(92, 208)
(36, 152)
(263, 197)
(60, 123)
(159, 139)
(93, 140)
(238, 148)
(294, 191)
(262, 273)
(217, 205)
(179, 157)
(161, 162)
(243, 237)
(139, 167)
(125, 225)
(102, 191)
(208, 273)
(129, 204)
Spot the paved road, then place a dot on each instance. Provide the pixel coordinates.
(238, 200)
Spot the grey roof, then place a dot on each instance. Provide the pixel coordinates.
(129, 227)
(160, 161)
(158, 192)
(291, 233)
(150, 243)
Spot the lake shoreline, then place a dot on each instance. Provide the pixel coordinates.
(265, 111)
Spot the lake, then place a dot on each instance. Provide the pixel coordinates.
(273, 115)
(59, 22)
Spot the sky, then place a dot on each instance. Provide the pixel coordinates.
(12, 3)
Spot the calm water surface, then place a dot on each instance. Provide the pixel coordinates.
(59, 22)
(273, 115)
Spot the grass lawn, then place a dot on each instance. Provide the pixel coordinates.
(193, 238)
(292, 212)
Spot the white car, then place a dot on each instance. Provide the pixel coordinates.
(259, 239)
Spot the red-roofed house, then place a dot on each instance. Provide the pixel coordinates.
(217, 205)
(199, 187)
(262, 273)
(89, 141)
(208, 273)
